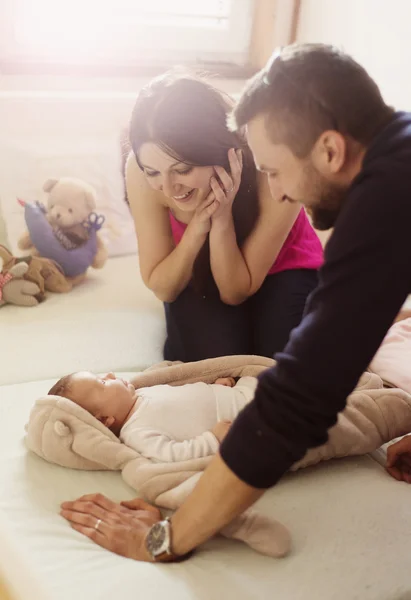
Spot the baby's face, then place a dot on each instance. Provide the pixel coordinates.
(107, 397)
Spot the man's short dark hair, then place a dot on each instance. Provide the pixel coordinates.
(307, 89)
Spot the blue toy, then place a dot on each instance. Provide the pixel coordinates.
(50, 243)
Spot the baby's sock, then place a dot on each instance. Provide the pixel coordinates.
(263, 534)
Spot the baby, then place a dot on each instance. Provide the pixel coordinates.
(167, 423)
(163, 423)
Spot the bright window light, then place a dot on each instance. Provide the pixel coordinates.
(79, 31)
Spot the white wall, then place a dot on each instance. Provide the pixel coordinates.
(59, 105)
(377, 33)
(115, 85)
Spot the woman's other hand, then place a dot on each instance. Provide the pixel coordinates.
(200, 223)
(225, 187)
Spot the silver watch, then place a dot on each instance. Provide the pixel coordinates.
(158, 543)
(158, 540)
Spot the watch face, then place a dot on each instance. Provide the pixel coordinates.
(157, 539)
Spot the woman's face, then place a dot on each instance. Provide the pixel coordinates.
(184, 184)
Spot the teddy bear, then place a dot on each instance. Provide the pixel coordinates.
(69, 206)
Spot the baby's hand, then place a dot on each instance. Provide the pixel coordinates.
(221, 429)
(227, 381)
(399, 460)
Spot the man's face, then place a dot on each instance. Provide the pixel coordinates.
(293, 179)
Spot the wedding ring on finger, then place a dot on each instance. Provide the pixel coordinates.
(97, 525)
(230, 190)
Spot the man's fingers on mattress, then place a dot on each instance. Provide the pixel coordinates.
(90, 532)
(139, 504)
(392, 456)
(105, 503)
(403, 447)
(395, 472)
(87, 521)
(407, 477)
(401, 472)
(87, 508)
(403, 465)
(136, 503)
(97, 499)
(406, 460)
(92, 515)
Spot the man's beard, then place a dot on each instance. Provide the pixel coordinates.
(324, 218)
(329, 199)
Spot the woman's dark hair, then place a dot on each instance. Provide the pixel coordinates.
(187, 118)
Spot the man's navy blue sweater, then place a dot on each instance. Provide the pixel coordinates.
(364, 282)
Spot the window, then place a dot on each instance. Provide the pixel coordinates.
(125, 31)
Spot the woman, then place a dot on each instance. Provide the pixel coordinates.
(232, 265)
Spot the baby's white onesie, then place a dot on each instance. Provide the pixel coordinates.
(172, 423)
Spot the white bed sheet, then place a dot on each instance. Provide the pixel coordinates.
(109, 322)
(350, 522)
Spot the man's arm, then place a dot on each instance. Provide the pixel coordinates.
(217, 499)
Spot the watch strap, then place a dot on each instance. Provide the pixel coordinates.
(170, 557)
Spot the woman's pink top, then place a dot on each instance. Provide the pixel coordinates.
(301, 250)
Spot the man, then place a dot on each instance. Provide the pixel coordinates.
(319, 128)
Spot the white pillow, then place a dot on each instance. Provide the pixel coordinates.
(27, 161)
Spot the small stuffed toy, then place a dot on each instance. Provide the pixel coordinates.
(66, 231)
(45, 273)
(16, 290)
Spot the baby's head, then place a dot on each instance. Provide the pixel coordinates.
(107, 397)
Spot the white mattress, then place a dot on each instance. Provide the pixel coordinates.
(350, 522)
(109, 322)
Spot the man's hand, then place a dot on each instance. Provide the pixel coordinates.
(221, 429)
(217, 499)
(120, 528)
(399, 460)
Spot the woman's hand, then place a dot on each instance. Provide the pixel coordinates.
(216, 207)
(200, 223)
(226, 187)
(399, 460)
(120, 528)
